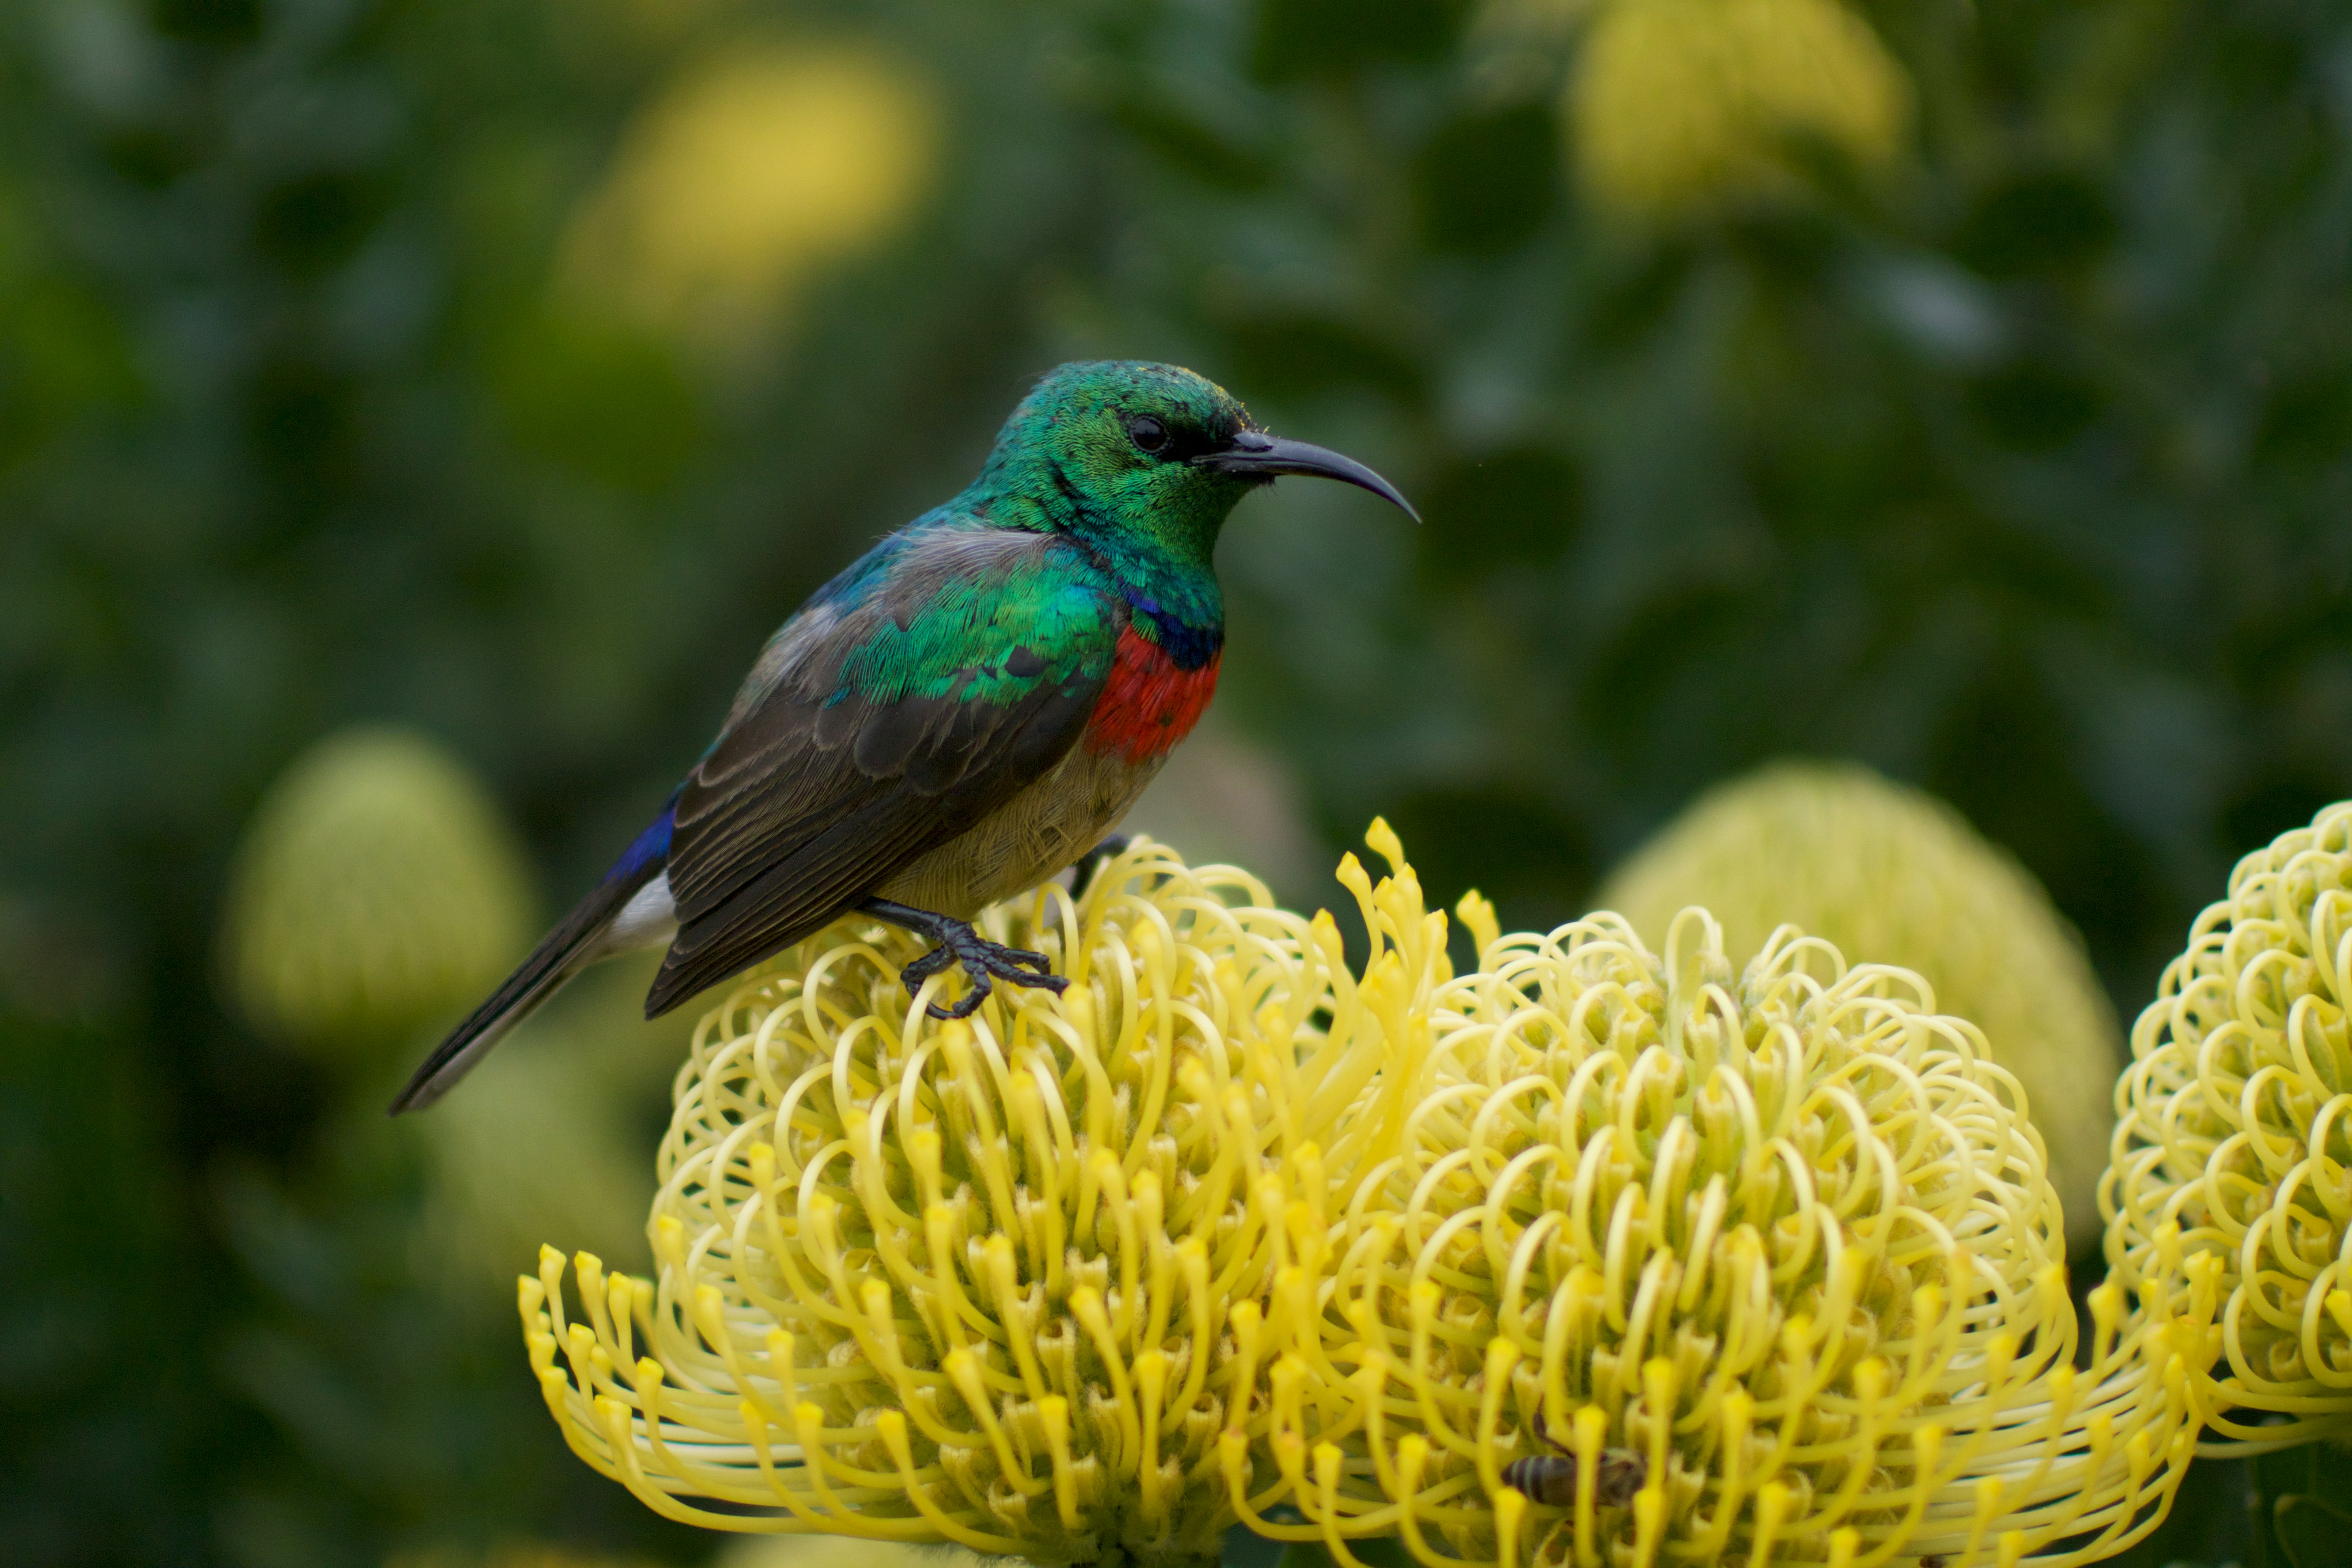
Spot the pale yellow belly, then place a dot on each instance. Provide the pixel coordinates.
(1027, 839)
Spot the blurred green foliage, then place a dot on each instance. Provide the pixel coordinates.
(2015, 470)
(2304, 1517)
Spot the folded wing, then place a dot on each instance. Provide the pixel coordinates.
(901, 708)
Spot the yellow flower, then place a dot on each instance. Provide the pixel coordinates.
(2231, 1185)
(1001, 1282)
(1682, 103)
(377, 888)
(1895, 875)
(745, 177)
(1771, 1258)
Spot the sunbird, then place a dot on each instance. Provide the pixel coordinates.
(968, 708)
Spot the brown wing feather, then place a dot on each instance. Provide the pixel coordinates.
(814, 797)
(827, 862)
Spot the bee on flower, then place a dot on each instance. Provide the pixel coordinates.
(1551, 1477)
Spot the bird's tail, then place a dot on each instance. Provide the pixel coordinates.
(577, 942)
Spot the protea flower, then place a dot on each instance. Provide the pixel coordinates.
(1001, 1282)
(1665, 1263)
(2231, 1189)
(746, 177)
(1679, 104)
(1874, 868)
(377, 888)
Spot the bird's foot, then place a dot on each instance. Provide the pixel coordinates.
(1082, 868)
(984, 962)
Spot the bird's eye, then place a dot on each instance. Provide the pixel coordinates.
(1148, 434)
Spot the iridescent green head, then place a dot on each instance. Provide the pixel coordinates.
(1144, 461)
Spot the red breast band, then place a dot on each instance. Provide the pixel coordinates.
(1148, 704)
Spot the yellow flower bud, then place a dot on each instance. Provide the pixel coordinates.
(2231, 1191)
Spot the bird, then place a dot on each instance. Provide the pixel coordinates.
(966, 709)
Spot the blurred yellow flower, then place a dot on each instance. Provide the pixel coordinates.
(378, 887)
(1676, 104)
(1894, 874)
(2231, 1194)
(1671, 1265)
(745, 177)
(998, 1282)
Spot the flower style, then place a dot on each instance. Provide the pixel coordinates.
(1874, 868)
(998, 1282)
(1772, 1259)
(2231, 1186)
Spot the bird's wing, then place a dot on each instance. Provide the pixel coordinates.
(913, 697)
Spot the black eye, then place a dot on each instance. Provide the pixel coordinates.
(1148, 434)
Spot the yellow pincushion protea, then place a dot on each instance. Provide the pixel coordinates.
(379, 889)
(2229, 1193)
(747, 175)
(1775, 1255)
(1000, 1282)
(1679, 104)
(1877, 868)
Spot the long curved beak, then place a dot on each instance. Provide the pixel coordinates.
(1256, 452)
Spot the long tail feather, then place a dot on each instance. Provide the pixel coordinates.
(578, 940)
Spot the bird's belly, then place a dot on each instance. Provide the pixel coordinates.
(1028, 838)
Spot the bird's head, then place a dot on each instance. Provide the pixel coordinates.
(1140, 456)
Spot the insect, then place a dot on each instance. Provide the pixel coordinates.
(1933, 1559)
(1550, 1479)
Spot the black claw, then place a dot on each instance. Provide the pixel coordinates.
(965, 1008)
(984, 962)
(921, 969)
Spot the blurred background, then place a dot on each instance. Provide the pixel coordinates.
(414, 413)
